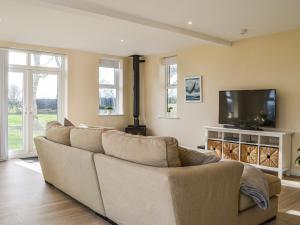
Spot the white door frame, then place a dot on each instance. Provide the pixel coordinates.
(27, 107)
(3, 104)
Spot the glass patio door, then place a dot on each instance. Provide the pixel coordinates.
(16, 111)
(35, 95)
(44, 98)
(33, 100)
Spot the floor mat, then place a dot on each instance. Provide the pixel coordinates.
(30, 159)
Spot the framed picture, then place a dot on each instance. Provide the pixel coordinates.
(193, 89)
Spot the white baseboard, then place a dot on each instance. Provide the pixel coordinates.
(23, 155)
(295, 172)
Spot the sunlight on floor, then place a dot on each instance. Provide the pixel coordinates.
(34, 166)
(290, 183)
(293, 212)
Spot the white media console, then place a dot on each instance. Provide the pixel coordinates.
(267, 150)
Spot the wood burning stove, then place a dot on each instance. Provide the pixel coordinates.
(136, 128)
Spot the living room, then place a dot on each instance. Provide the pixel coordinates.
(212, 85)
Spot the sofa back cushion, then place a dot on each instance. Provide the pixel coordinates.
(58, 133)
(89, 139)
(151, 151)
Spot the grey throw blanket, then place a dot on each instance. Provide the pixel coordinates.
(255, 185)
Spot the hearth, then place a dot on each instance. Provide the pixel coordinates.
(136, 128)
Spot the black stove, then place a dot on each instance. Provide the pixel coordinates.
(136, 128)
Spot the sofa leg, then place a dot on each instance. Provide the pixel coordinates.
(106, 219)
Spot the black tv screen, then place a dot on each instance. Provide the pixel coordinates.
(248, 108)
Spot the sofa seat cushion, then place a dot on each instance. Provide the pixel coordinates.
(151, 151)
(194, 158)
(89, 139)
(274, 189)
(58, 133)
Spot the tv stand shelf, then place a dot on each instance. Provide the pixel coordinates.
(267, 150)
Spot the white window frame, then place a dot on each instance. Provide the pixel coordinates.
(61, 103)
(167, 62)
(118, 86)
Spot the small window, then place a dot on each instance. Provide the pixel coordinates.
(110, 87)
(17, 58)
(45, 60)
(171, 86)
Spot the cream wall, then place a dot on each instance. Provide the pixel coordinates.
(82, 82)
(266, 62)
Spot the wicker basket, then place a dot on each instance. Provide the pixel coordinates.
(216, 146)
(230, 150)
(269, 157)
(249, 154)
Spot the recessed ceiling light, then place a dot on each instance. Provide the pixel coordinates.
(122, 40)
(190, 22)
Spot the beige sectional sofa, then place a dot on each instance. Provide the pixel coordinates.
(134, 180)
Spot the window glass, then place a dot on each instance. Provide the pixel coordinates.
(172, 100)
(110, 87)
(15, 111)
(106, 76)
(173, 74)
(44, 60)
(108, 100)
(17, 58)
(171, 86)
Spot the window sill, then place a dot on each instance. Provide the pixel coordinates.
(107, 115)
(169, 117)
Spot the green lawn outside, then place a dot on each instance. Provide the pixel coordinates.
(15, 128)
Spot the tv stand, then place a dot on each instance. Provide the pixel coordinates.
(267, 150)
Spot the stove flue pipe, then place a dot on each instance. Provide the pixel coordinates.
(136, 88)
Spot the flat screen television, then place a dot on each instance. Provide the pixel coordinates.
(248, 108)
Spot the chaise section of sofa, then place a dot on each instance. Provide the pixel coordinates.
(137, 194)
(146, 187)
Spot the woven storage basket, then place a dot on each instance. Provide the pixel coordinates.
(249, 154)
(216, 146)
(269, 156)
(230, 150)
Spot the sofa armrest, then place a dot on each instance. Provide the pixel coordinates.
(206, 194)
(143, 195)
(71, 170)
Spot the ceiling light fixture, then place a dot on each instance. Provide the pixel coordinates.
(190, 22)
(122, 40)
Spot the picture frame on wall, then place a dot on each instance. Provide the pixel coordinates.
(193, 89)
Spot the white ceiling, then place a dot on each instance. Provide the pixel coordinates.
(220, 18)
(147, 27)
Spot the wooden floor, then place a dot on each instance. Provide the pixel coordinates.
(25, 199)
